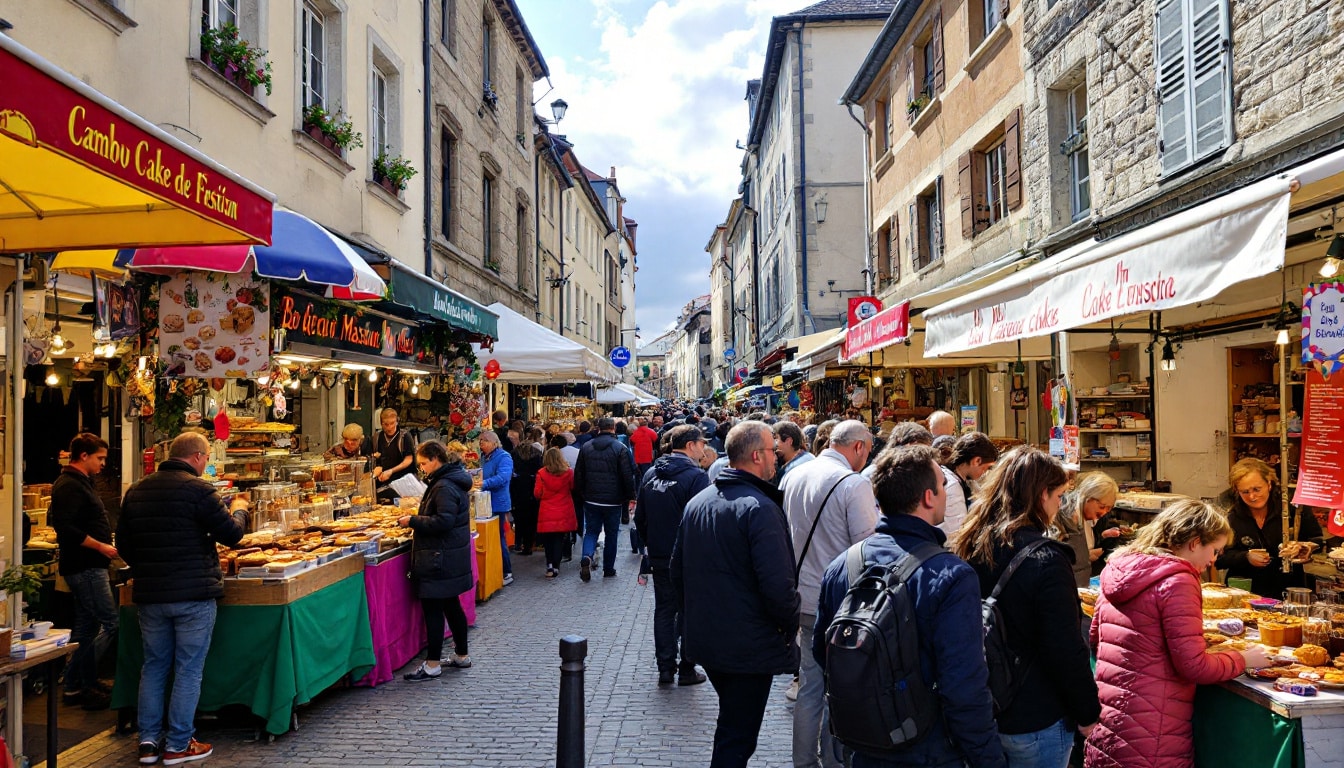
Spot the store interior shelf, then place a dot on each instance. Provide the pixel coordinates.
(1115, 459)
(1111, 397)
(1257, 435)
(1117, 430)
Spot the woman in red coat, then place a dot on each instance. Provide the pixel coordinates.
(554, 490)
(1149, 635)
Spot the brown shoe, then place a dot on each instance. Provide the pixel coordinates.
(195, 751)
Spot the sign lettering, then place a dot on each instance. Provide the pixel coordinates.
(323, 323)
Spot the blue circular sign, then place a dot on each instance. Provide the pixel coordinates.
(620, 356)
(729, 353)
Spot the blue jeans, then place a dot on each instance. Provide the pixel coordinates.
(811, 720)
(95, 627)
(1046, 748)
(600, 517)
(504, 541)
(176, 638)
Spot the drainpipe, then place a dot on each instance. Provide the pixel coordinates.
(427, 53)
(536, 228)
(868, 271)
(810, 326)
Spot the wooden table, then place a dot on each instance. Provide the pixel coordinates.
(48, 658)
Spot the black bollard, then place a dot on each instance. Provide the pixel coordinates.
(569, 725)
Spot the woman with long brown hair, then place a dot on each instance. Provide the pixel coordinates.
(1054, 692)
(554, 491)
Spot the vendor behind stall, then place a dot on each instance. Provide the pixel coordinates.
(393, 452)
(353, 445)
(1256, 547)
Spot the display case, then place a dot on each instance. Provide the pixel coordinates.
(275, 506)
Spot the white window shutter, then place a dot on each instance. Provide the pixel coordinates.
(1173, 116)
(1210, 64)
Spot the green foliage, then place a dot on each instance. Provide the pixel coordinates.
(223, 46)
(395, 169)
(335, 126)
(26, 579)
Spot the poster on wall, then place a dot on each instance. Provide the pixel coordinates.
(117, 306)
(1323, 327)
(970, 419)
(215, 325)
(1320, 474)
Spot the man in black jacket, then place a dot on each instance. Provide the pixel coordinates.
(666, 488)
(84, 537)
(604, 479)
(170, 523)
(733, 564)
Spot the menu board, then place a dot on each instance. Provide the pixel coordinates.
(215, 325)
(1320, 475)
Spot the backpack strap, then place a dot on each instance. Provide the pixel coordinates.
(1008, 572)
(797, 571)
(855, 564)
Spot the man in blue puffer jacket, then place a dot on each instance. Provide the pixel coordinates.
(496, 475)
(909, 489)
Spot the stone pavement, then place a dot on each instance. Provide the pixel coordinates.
(501, 713)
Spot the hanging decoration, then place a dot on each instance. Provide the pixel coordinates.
(492, 369)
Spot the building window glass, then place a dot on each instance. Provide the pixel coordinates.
(996, 163)
(488, 222)
(926, 215)
(378, 132)
(524, 248)
(1075, 147)
(448, 24)
(219, 13)
(314, 57)
(447, 183)
(487, 56)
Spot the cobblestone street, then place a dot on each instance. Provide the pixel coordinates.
(502, 711)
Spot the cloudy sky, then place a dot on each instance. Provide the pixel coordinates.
(657, 89)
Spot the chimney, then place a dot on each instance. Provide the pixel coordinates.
(631, 225)
(612, 176)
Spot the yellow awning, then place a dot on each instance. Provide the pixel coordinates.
(79, 171)
(97, 263)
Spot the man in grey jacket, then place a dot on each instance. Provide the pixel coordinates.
(830, 507)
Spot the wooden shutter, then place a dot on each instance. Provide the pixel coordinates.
(966, 188)
(1210, 104)
(935, 223)
(975, 19)
(894, 249)
(1173, 114)
(937, 43)
(916, 231)
(979, 192)
(1012, 172)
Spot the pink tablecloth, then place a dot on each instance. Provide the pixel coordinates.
(394, 615)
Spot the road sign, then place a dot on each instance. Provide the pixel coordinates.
(620, 356)
(729, 353)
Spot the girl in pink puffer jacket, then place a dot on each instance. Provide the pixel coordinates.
(1149, 634)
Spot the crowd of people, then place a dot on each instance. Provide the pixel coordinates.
(754, 530)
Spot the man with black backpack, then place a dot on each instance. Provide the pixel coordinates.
(899, 633)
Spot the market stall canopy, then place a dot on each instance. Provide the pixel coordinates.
(433, 299)
(100, 263)
(530, 354)
(80, 171)
(626, 393)
(302, 249)
(1186, 258)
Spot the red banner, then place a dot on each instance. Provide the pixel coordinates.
(887, 327)
(41, 111)
(1320, 474)
(862, 308)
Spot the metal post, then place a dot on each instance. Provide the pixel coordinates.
(569, 724)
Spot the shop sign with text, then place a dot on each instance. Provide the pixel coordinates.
(310, 320)
(890, 326)
(1169, 264)
(1320, 473)
(1323, 327)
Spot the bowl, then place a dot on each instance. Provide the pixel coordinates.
(41, 628)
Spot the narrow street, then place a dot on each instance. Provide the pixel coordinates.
(501, 713)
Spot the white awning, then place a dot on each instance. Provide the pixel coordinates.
(1186, 258)
(626, 393)
(530, 354)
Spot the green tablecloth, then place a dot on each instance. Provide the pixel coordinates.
(1231, 730)
(269, 658)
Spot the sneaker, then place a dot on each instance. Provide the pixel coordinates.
(551, 573)
(424, 672)
(586, 568)
(195, 751)
(508, 579)
(460, 662)
(692, 677)
(791, 693)
(149, 753)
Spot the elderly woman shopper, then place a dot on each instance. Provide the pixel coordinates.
(1256, 548)
(497, 477)
(1083, 520)
(1149, 634)
(1039, 607)
(353, 444)
(441, 554)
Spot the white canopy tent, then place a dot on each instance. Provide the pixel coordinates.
(527, 353)
(626, 393)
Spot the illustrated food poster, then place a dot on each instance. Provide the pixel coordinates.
(213, 324)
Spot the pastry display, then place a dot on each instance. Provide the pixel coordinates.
(1312, 655)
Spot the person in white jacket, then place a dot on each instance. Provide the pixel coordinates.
(830, 507)
(972, 457)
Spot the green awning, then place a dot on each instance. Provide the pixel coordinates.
(433, 299)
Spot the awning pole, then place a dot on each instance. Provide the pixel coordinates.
(14, 428)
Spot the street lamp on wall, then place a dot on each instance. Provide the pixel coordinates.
(558, 108)
(821, 206)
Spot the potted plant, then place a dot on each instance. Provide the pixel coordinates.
(224, 50)
(334, 132)
(392, 172)
(316, 121)
(915, 105)
(23, 580)
(343, 133)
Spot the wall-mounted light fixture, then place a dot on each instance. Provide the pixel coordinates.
(821, 206)
(1168, 357)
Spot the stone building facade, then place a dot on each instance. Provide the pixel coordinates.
(482, 187)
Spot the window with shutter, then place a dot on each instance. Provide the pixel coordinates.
(1193, 80)
(1012, 160)
(937, 63)
(894, 250)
